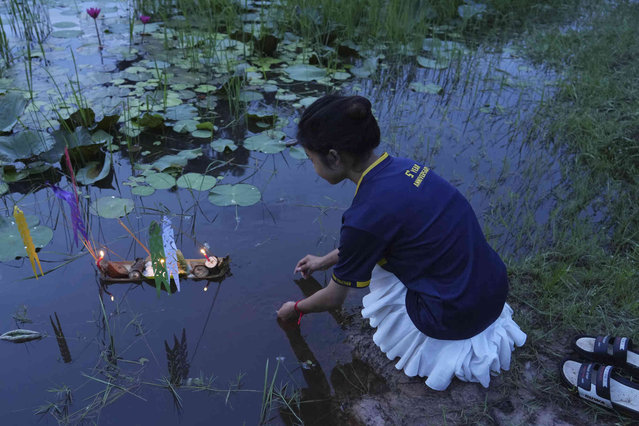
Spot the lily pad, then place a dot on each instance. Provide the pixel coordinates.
(240, 194)
(11, 245)
(142, 191)
(204, 134)
(297, 152)
(111, 207)
(24, 145)
(67, 33)
(160, 180)
(269, 142)
(250, 96)
(196, 181)
(306, 102)
(181, 112)
(432, 88)
(340, 75)
(438, 64)
(178, 160)
(302, 72)
(185, 126)
(367, 68)
(65, 24)
(11, 107)
(220, 145)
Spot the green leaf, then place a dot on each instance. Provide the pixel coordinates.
(196, 181)
(67, 33)
(269, 142)
(111, 207)
(207, 125)
(160, 180)
(4, 188)
(24, 145)
(94, 171)
(180, 160)
(151, 121)
(235, 195)
(203, 134)
(65, 24)
(250, 95)
(11, 107)
(438, 64)
(142, 191)
(297, 152)
(341, 76)
(432, 88)
(185, 126)
(302, 72)
(220, 145)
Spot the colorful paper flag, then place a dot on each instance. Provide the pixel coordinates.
(157, 258)
(23, 227)
(76, 216)
(170, 251)
(70, 167)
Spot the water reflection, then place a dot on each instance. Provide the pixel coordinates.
(319, 401)
(62, 341)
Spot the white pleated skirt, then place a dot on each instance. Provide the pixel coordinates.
(471, 360)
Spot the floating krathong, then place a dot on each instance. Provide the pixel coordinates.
(164, 265)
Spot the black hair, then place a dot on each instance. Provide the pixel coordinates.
(343, 123)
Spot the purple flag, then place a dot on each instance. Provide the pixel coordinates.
(76, 217)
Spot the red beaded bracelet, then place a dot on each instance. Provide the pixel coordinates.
(299, 312)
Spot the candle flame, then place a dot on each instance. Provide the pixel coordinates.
(112, 298)
(101, 253)
(206, 288)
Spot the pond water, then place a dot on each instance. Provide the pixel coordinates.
(471, 131)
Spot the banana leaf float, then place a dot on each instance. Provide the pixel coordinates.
(212, 268)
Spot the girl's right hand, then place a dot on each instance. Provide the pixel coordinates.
(309, 264)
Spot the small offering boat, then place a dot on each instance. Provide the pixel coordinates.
(212, 268)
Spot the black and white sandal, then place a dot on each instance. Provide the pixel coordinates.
(617, 351)
(599, 384)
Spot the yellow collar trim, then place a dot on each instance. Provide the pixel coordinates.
(371, 167)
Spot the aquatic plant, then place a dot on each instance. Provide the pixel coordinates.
(94, 12)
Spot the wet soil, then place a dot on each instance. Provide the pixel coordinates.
(525, 395)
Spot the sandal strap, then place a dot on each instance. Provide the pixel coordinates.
(601, 347)
(603, 381)
(599, 391)
(620, 350)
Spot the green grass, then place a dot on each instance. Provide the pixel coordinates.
(587, 276)
(585, 279)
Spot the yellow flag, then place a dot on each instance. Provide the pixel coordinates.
(26, 238)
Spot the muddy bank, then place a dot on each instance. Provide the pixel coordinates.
(373, 392)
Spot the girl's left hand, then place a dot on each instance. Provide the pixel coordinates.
(287, 312)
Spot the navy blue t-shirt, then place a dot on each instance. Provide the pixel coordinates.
(421, 228)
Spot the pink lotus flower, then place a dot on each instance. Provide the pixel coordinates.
(93, 12)
(145, 19)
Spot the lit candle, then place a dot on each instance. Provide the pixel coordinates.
(112, 298)
(100, 258)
